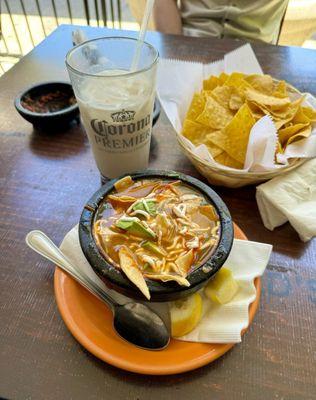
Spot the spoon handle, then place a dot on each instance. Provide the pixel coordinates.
(41, 243)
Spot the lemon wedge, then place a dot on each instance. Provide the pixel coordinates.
(222, 288)
(185, 314)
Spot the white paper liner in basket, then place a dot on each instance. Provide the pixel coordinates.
(179, 80)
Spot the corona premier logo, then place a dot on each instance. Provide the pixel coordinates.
(123, 116)
(103, 128)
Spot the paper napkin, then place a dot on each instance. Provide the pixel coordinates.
(179, 80)
(220, 323)
(290, 197)
(224, 323)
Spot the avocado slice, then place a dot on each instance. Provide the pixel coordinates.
(146, 205)
(136, 227)
(148, 245)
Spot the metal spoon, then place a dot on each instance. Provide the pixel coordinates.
(134, 322)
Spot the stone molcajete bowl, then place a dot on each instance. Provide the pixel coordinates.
(115, 279)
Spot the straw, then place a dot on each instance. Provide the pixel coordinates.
(142, 33)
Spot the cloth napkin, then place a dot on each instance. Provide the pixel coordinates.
(290, 197)
(220, 323)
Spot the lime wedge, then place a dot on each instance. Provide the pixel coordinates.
(185, 314)
(222, 288)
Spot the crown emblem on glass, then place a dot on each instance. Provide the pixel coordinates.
(123, 116)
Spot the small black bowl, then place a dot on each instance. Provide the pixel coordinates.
(52, 119)
(160, 291)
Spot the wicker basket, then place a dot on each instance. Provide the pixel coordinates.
(234, 179)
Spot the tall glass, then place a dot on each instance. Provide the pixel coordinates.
(116, 104)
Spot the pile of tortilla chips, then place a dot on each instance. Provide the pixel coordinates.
(222, 115)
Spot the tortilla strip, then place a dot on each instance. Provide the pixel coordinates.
(131, 270)
(184, 262)
(169, 277)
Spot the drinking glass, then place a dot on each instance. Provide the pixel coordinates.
(116, 102)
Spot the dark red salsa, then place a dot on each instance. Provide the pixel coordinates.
(49, 102)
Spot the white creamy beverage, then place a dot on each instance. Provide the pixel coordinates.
(117, 115)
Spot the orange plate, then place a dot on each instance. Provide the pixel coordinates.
(90, 322)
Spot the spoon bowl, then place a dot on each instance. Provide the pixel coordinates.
(134, 322)
(137, 324)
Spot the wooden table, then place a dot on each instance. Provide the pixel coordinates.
(46, 179)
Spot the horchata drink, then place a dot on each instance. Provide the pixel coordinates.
(116, 104)
(117, 115)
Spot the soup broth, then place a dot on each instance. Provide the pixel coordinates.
(156, 229)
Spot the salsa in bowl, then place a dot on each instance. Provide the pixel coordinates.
(48, 106)
(156, 235)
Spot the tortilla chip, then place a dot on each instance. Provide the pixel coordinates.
(225, 159)
(195, 132)
(209, 211)
(289, 110)
(211, 83)
(279, 148)
(123, 183)
(280, 90)
(234, 77)
(214, 115)
(222, 95)
(256, 111)
(184, 262)
(237, 80)
(234, 138)
(169, 277)
(300, 117)
(122, 202)
(258, 108)
(266, 100)
(206, 94)
(309, 113)
(286, 113)
(279, 123)
(223, 114)
(229, 97)
(281, 116)
(212, 148)
(196, 107)
(262, 83)
(131, 270)
(293, 133)
(223, 78)
(303, 134)
(236, 100)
